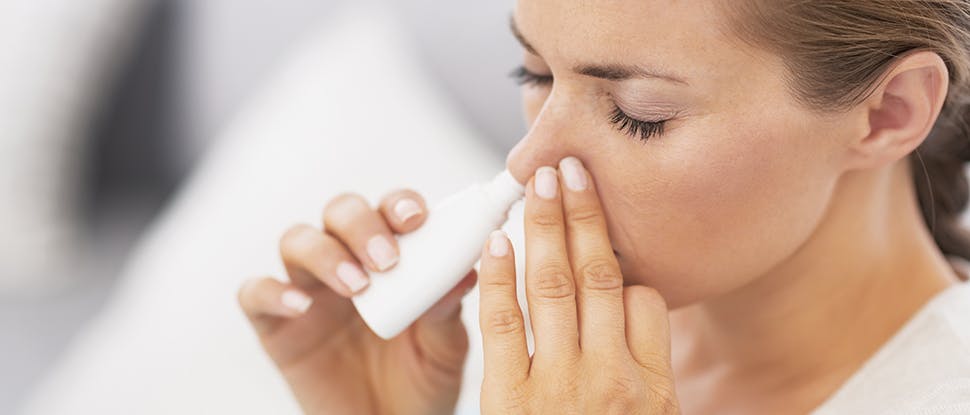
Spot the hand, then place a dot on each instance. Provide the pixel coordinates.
(600, 348)
(309, 327)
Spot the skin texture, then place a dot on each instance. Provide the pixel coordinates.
(774, 232)
(333, 363)
(748, 259)
(600, 347)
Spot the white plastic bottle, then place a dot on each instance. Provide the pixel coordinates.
(437, 255)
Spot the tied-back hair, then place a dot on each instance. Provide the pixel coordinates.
(836, 52)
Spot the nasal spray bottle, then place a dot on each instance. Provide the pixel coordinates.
(436, 256)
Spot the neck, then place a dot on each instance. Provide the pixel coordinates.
(870, 265)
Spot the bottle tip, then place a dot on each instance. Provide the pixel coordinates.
(504, 189)
(506, 179)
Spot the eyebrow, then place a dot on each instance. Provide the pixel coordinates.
(610, 72)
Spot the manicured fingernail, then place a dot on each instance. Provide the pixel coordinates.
(573, 174)
(498, 244)
(296, 301)
(546, 182)
(381, 252)
(406, 208)
(351, 275)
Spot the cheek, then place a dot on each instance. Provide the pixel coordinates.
(705, 215)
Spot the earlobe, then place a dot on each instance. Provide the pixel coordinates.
(902, 109)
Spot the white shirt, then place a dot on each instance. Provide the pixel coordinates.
(923, 369)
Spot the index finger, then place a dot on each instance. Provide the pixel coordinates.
(599, 282)
(506, 355)
(549, 286)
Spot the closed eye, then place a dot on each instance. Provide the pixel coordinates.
(642, 130)
(633, 127)
(523, 76)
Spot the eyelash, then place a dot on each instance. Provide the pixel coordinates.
(633, 127)
(524, 76)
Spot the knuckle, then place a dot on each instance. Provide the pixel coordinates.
(546, 219)
(621, 391)
(497, 282)
(601, 275)
(503, 322)
(342, 207)
(553, 282)
(622, 396)
(295, 242)
(584, 215)
(663, 399)
(656, 365)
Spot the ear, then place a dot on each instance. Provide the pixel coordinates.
(901, 111)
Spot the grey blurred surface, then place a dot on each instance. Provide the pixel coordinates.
(465, 44)
(127, 182)
(33, 332)
(195, 63)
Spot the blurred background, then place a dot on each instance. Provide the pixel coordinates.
(109, 109)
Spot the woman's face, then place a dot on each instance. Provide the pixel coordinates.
(741, 174)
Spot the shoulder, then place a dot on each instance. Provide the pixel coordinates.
(951, 310)
(924, 368)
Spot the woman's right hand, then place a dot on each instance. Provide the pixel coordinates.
(332, 361)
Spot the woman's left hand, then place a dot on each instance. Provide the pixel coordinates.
(600, 347)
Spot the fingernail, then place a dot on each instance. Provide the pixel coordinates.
(351, 275)
(406, 208)
(381, 252)
(572, 172)
(498, 244)
(296, 301)
(546, 182)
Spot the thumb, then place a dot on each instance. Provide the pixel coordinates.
(440, 333)
(648, 329)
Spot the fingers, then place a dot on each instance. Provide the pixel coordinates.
(648, 329)
(506, 355)
(550, 288)
(266, 300)
(404, 210)
(599, 282)
(363, 230)
(356, 237)
(311, 257)
(440, 332)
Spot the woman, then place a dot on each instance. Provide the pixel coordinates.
(731, 207)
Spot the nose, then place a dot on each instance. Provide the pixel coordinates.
(547, 141)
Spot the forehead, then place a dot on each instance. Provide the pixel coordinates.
(689, 37)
